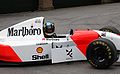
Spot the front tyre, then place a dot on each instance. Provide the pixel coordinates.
(101, 53)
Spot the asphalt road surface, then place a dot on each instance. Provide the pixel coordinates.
(85, 17)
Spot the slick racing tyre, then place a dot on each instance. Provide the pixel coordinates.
(110, 29)
(101, 53)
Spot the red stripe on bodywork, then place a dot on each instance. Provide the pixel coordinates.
(82, 39)
(7, 54)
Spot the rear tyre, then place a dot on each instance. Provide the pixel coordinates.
(101, 53)
(110, 29)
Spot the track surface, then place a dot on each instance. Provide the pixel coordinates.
(92, 17)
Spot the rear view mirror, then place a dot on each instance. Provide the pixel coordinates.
(71, 32)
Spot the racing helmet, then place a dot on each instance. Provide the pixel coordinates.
(49, 28)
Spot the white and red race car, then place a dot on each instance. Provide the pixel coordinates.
(25, 42)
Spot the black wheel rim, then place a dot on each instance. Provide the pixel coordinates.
(99, 55)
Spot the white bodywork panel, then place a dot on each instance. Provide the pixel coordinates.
(31, 24)
(66, 51)
(26, 52)
(60, 54)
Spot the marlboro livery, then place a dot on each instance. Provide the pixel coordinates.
(26, 42)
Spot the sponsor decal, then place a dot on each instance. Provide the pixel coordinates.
(38, 57)
(103, 34)
(43, 38)
(39, 50)
(60, 46)
(41, 43)
(52, 39)
(37, 21)
(69, 54)
(99, 42)
(24, 31)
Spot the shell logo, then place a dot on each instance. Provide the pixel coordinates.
(39, 50)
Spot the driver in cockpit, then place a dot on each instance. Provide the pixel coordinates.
(48, 30)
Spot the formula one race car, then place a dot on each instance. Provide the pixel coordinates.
(34, 40)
